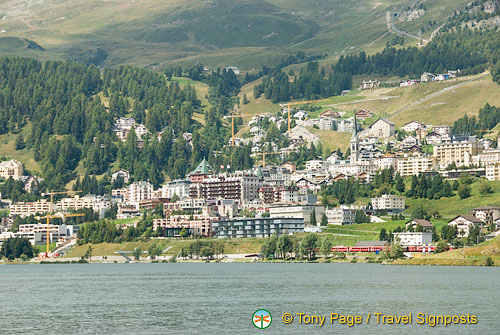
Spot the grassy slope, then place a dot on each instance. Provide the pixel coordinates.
(25, 156)
(246, 33)
(450, 207)
(475, 255)
(233, 246)
(442, 109)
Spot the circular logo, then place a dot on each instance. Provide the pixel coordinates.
(262, 319)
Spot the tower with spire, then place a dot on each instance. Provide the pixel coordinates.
(354, 158)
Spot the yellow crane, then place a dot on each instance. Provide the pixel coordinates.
(52, 193)
(232, 121)
(54, 216)
(271, 153)
(299, 103)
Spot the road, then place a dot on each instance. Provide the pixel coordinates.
(435, 94)
(392, 27)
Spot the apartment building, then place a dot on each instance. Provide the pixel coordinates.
(197, 225)
(341, 215)
(97, 203)
(487, 214)
(179, 187)
(410, 239)
(24, 209)
(243, 187)
(459, 153)
(298, 212)
(493, 171)
(257, 227)
(37, 233)
(409, 166)
(138, 191)
(389, 202)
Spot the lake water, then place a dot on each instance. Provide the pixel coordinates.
(221, 298)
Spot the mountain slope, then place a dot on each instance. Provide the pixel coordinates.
(245, 33)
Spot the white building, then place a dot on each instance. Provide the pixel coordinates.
(342, 215)
(11, 169)
(179, 187)
(465, 223)
(37, 233)
(138, 191)
(24, 209)
(413, 126)
(124, 174)
(303, 212)
(97, 203)
(442, 130)
(459, 153)
(409, 239)
(391, 203)
(316, 165)
(493, 171)
(409, 166)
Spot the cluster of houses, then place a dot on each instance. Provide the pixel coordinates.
(427, 77)
(418, 232)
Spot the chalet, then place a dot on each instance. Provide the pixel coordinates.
(369, 84)
(413, 225)
(413, 126)
(442, 130)
(409, 142)
(363, 114)
(433, 138)
(409, 82)
(330, 114)
(465, 223)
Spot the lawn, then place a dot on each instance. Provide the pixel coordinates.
(453, 206)
(332, 139)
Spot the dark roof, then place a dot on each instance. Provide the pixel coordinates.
(371, 243)
(421, 222)
(471, 218)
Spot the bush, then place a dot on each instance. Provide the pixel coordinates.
(464, 191)
(442, 246)
(489, 261)
(485, 188)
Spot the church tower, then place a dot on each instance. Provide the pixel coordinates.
(354, 158)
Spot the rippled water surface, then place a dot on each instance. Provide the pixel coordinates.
(221, 298)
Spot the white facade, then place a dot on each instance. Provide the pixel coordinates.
(318, 165)
(465, 223)
(303, 212)
(24, 209)
(179, 187)
(11, 169)
(341, 215)
(389, 202)
(409, 239)
(413, 126)
(138, 191)
(493, 171)
(409, 166)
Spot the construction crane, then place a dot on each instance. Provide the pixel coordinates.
(54, 216)
(52, 193)
(271, 153)
(232, 121)
(299, 103)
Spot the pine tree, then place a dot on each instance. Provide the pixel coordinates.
(313, 217)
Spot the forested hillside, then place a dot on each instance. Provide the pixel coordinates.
(60, 102)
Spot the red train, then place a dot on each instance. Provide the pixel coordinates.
(379, 249)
